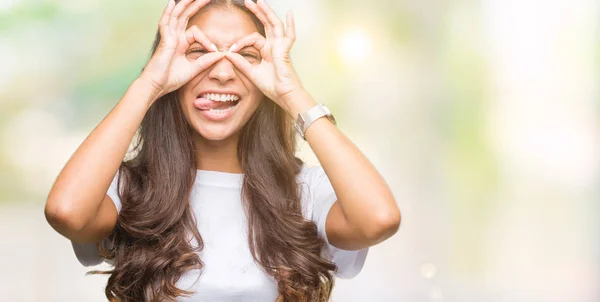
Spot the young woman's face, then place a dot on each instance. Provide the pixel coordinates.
(222, 80)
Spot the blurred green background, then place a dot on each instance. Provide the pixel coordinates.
(483, 116)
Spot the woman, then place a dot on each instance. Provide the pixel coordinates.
(214, 206)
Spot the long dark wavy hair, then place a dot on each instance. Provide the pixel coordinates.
(150, 245)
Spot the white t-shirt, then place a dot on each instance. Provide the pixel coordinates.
(229, 272)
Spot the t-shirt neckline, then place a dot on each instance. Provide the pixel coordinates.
(218, 178)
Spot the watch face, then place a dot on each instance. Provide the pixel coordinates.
(300, 120)
(299, 129)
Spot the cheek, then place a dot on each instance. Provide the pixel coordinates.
(185, 89)
(184, 93)
(256, 94)
(257, 97)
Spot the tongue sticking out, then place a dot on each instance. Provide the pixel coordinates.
(206, 104)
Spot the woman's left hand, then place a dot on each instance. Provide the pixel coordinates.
(274, 75)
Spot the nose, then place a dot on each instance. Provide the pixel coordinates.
(222, 71)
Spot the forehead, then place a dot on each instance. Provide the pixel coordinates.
(223, 26)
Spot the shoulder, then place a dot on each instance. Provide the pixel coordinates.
(309, 176)
(309, 173)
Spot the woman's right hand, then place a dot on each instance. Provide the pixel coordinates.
(169, 68)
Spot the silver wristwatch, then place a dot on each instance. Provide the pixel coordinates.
(305, 119)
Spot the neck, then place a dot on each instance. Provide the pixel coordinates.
(218, 155)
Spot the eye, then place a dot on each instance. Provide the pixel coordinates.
(197, 50)
(250, 55)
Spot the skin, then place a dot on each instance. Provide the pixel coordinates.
(78, 207)
(216, 142)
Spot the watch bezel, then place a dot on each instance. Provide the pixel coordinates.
(329, 115)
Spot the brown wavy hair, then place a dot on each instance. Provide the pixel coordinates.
(150, 245)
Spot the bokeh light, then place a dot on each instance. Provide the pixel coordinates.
(354, 46)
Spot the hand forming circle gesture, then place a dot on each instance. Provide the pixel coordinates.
(274, 75)
(169, 69)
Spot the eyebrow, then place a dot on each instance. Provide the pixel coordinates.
(196, 43)
(249, 46)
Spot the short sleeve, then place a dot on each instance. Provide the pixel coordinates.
(113, 193)
(323, 196)
(87, 253)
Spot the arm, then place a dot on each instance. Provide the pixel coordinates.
(366, 212)
(77, 205)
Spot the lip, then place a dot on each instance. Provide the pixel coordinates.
(215, 116)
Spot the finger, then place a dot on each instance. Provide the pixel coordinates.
(177, 11)
(290, 31)
(240, 64)
(205, 61)
(260, 15)
(163, 23)
(180, 7)
(272, 17)
(254, 39)
(164, 19)
(189, 12)
(194, 34)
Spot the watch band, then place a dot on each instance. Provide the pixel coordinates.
(303, 121)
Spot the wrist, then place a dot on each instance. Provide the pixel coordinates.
(297, 102)
(147, 90)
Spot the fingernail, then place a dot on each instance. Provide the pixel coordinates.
(232, 47)
(214, 47)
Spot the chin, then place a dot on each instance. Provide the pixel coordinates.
(214, 132)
